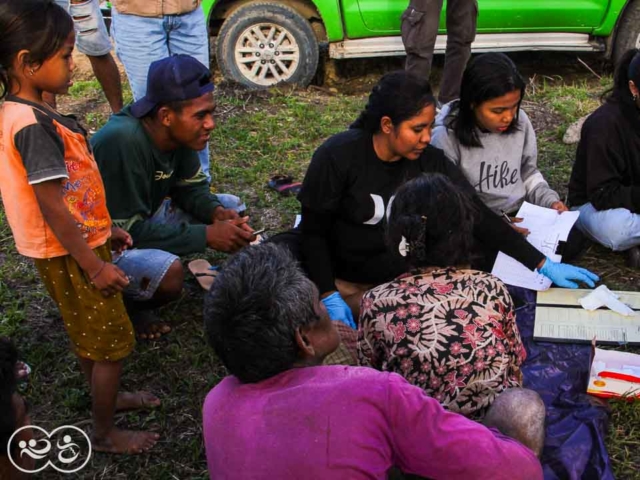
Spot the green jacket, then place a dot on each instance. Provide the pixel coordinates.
(138, 177)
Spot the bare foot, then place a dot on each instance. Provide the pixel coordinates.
(149, 326)
(136, 401)
(127, 442)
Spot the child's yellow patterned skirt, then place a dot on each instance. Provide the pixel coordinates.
(99, 327)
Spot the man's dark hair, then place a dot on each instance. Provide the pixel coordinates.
(486, 77)
(436, 218)
(39, 26)
(252, 312)
(398, 95)
(8, 359)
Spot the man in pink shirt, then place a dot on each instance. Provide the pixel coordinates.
(281, 414)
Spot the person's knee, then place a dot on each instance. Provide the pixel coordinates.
(520, 414)
(170, 286)
(616, 238)
(617, 229)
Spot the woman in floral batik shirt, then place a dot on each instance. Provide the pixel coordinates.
(444, 327)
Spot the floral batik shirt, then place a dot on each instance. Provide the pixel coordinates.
(450, 332)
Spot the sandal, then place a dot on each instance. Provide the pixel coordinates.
(22, 372)
(203, 271)
(284, 185)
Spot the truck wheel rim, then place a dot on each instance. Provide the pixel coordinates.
(267, 54)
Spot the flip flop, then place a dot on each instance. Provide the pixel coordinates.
(23, 370)
(204, 273)
(284, 185)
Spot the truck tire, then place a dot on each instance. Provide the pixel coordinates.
(628, 34)
(263, 44)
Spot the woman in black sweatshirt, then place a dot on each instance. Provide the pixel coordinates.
(605, 181)
(349, 188)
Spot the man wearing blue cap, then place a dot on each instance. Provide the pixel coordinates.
(147, 154)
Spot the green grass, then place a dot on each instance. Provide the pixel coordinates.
(257, 135)
(85, 88)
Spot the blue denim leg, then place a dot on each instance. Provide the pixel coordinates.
(170, 214)
(139, 42)
(92, 37)
(145, 268)
(203, 155)
(187, 34)
(231, 202)
(617, 229)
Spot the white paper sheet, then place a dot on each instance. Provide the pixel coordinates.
(547, 228)
(603, 297)
(297, 221)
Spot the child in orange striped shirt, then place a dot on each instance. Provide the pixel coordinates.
(56, 207)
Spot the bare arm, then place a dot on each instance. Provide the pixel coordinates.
(108, 278)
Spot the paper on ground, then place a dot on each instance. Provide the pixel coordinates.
(603, 297)
(547, 228)
(297, 221)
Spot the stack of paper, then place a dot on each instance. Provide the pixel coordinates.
(547, 228)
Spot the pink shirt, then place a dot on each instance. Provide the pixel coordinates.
(336, 422)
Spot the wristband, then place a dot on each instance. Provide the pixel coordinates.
(99, 271)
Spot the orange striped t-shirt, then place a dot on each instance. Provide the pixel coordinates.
(38, 145)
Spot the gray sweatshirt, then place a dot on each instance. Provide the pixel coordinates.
(504, 171)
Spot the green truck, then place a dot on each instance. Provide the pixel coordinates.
(261, 43)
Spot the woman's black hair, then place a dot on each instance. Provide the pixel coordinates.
(398, 95)
(436, 220)
(39, 26)
(620, 92)
(486, 77)
(8, 381)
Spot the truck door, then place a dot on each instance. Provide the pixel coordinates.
(368, 18)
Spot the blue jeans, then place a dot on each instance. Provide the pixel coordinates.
(92, 37)
(147, 267)
(617, 229)
(140, 41)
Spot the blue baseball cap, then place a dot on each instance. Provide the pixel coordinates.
(172, 79)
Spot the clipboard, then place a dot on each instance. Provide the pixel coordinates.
(560, 318)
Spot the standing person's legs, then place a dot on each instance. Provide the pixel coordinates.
(188, 34)
(101, 337)
(93, 40)
(462, 16)
(419, 31)
(139, 41)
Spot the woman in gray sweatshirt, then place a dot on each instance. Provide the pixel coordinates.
(491, 139)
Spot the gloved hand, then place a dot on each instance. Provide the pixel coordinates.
(338, 309)
(562, 273)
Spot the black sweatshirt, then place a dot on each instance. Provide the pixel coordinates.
(607, 167)
(345, 196)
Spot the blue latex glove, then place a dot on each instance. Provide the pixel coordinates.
(338, 309)
(562, 274)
